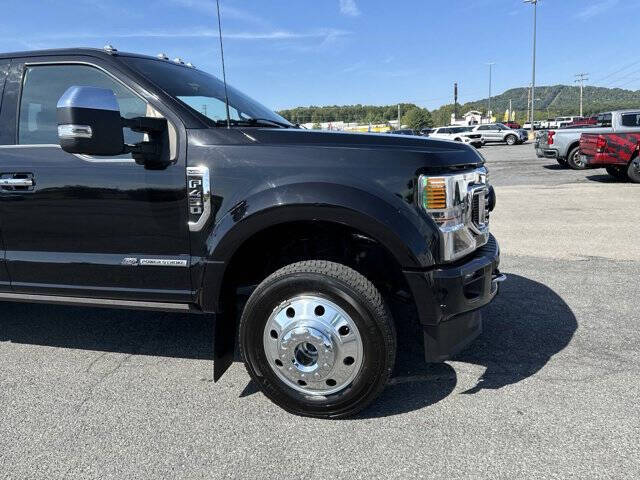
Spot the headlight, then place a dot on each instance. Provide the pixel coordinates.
(457, 203)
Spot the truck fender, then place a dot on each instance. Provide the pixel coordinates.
(391, 221)
(406, 233)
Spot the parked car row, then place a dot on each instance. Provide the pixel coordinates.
(613, 142)
(476, 135)
(561, 122)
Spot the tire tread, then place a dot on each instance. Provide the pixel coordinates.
(369, 295)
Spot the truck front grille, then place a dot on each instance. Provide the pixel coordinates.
(479, 210)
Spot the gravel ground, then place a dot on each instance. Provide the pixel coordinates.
(550, 389)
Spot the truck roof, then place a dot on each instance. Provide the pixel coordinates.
(94, 52)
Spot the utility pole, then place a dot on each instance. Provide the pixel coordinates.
(455, 101)
(533, 79)
(491, 64)
(510, 119)
(581, 78)
(399, 124)
(529, 103)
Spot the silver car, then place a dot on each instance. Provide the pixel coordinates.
(497, 132)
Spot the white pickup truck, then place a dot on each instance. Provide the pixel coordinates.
(564, 144)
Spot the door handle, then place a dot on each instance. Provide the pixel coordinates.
(16, 182)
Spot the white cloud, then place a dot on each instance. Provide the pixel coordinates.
(596, 9)
(349, 8)
(324, 34)
(226, 12)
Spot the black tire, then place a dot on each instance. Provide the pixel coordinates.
(562, 162)
(511, 139)
(633, 170)
(619, 173)
(574, 161)
(356, 296)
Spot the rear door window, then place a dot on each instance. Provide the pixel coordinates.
(604, 119)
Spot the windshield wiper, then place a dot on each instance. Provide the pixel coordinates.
(252, 122)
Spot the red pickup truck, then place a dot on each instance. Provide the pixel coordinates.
(617, 152)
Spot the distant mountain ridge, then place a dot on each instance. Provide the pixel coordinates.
(561, 100)
(551, 101)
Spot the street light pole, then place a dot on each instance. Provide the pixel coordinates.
(533, 80)
(491, 64)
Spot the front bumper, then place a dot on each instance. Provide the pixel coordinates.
(448, 299)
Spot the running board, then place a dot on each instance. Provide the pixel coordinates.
(98, 302)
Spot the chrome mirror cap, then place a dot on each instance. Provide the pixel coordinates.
(89, 97)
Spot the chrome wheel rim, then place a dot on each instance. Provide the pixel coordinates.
(577, 160)
(313, 345)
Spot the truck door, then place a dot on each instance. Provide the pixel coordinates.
(79, 225)
(4, 276)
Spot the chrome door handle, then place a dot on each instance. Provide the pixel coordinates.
(16, 182)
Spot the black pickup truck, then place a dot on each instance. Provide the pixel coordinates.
(123, 183)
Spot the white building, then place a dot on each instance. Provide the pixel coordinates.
(472, 117)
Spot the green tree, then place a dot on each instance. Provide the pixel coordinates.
(417, 118)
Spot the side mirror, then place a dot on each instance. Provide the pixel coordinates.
(89, 122)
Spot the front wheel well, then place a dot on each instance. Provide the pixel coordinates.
(283, 244)
(277, 246)
(571, 147)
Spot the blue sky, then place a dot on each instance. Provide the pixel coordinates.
(287, 53)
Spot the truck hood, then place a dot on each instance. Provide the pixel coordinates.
(431, 153)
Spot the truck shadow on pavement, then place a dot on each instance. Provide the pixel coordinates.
(108, 330)
(605, 178)
(524, 327)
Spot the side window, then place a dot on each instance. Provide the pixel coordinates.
(43, 86)
(4, 68)
(631, 120)
(483, 127)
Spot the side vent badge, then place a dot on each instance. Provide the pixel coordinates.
(199, 196)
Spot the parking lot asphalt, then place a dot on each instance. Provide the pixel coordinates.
(551, 389)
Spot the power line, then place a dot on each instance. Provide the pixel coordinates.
(629, 82)
(599, 80)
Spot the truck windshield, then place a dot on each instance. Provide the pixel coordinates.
(204, 93)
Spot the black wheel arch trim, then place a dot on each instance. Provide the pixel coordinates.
(408, 236)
